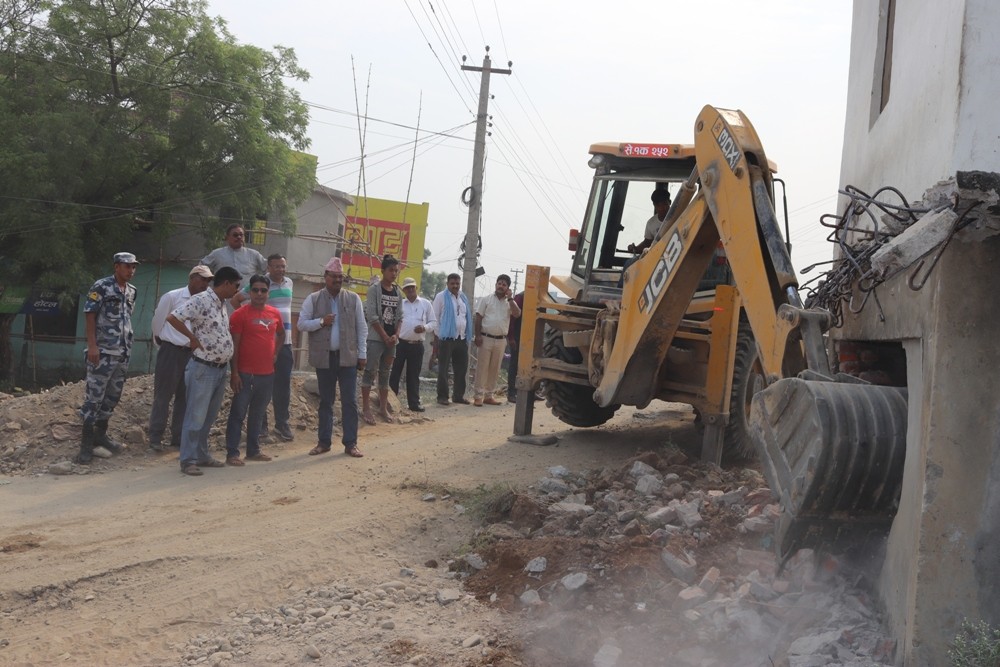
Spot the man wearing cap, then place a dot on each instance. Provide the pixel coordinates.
(171, 360)
(246, 261)
(335, 321)
(108, 318)
(417, 318)
(204, 321)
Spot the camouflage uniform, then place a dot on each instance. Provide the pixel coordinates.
(106, 379)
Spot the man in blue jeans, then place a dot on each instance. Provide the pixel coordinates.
(206, 372)
(258, 334)
(335, 321)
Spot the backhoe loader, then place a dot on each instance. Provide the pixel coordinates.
(743, 351)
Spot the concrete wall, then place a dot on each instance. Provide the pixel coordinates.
(941, 564)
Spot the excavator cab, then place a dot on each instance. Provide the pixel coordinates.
(618, 211)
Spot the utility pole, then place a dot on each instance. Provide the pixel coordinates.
(517, 274)
(476, 190)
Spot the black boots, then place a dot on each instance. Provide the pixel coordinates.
(101, 438)
(86, 445)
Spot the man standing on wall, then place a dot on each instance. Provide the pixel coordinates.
(279, 297)
(205, 375)
(417, 318)
(492, 323)
(382, 314)
(335, 321)
(171, 360)
(108, 318)
(451, 309)
(257, 336)
(246, 261)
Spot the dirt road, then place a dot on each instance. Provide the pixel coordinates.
(126, 567)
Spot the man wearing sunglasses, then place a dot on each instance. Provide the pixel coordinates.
(258, 334)
(246, 261)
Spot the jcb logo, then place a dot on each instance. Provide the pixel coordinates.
(661, 273)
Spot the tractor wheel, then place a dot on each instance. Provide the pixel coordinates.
(571, 403)
(748, 379)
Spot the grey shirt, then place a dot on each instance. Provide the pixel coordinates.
(245, 260)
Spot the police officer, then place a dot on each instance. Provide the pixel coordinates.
(108, 314)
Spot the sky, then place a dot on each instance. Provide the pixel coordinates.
(583, 72)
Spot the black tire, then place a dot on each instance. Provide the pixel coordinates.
(748, 379)
(571, 403)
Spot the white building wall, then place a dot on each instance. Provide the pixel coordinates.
(910, 144)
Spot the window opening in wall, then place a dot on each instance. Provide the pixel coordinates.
(882, 79)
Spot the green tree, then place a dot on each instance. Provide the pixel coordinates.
(113, 111)
(431, 282)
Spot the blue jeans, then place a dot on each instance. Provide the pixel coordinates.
(328, 379)
(205, 388)
(282, 393)
(252, 398)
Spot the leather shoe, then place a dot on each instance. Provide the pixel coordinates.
(489, 400)
(417, 408)
(444, 401)
(463, 401)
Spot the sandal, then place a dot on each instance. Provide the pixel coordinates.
(235, 461)
(211, 463)
(353, 451)
(260, 456)
(191, 469)
(318, 449)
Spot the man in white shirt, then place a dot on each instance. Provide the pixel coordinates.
(454, 321)
(417, 319)
(492, 322)
(171, 360)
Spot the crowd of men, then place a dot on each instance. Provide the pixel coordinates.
(218, 331)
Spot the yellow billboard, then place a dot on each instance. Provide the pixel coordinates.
(377, 227)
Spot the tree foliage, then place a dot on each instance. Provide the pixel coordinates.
(431, 282)
(113, 111)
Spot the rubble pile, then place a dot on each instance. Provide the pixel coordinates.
(667, 557)
(41, 432)
(419, 618)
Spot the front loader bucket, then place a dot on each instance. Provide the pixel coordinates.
(833, 453)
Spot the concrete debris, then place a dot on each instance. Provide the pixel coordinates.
(475, 561)
(639, 469)
(558, 471)
(551, 485)
(914, 242)
(648, 485)
(607, 656)
(536, 565)
(61, 468)
(714, 597)
(574, 581)
(683, 566)
(530, 598)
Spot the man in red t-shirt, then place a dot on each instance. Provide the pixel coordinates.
(258, 335)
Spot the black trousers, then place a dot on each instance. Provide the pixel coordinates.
(456, 352)
(410, 355)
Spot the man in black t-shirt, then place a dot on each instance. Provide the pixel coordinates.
(382, 312)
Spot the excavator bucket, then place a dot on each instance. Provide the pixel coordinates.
(833, 453)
